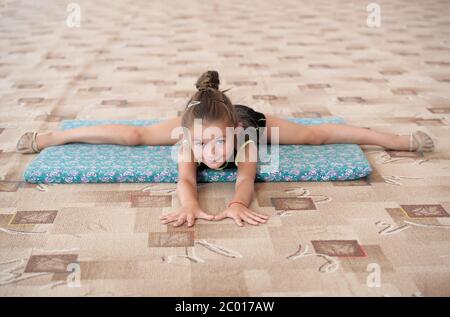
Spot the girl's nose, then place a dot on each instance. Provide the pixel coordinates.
(209, 152)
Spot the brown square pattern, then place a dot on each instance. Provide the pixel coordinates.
(145, 200)
(344, 248)
(171, 239)
(5, 219)
(429, 122)
(439, 110)
(34, 217)
(293, 203)
(55, 263)
(424, 211)
(307, 114)
(114, 102)
(351, 99)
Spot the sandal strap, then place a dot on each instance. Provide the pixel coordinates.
(419, 141)
(411, 142)
(34, 143)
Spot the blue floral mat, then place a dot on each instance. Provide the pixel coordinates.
(105, 163)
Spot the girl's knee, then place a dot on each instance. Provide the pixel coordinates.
(314, 136)
(133, 136)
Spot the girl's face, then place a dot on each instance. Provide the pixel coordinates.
(211, 144)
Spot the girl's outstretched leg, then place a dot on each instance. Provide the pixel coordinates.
(100, 134)
(294, 133)
(158, 134)
(341, 133)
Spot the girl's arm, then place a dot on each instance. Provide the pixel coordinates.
(187, 192)
(244, 190)
(187, 180)
(245, 180)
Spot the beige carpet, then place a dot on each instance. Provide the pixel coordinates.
(387, 235)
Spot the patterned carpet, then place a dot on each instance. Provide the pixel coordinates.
(386, 235)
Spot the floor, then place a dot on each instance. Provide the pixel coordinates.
(385, 235)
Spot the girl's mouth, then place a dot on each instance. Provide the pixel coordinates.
(212, 161)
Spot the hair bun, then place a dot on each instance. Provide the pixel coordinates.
(209, 79)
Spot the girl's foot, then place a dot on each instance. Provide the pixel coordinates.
(27, 143)
(419, 141)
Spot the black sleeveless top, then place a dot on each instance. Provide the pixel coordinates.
(248, 118)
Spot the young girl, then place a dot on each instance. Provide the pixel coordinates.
(199, 149)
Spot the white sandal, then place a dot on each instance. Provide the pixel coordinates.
(424, 142)
(27, 143)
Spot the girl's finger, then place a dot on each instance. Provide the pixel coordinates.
(190, 220)
(168, 215)
(250, 220)
(180, 221)
(238, 221)
(255, 217)
(170, 218)
(259, 215)
(204, 215)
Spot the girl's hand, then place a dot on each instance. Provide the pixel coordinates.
(241, 214)
(186, 214)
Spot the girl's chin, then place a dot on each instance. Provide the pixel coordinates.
(214, 164)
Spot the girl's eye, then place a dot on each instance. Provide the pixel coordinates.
(220, 141)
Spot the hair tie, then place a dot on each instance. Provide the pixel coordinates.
(193, 103)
